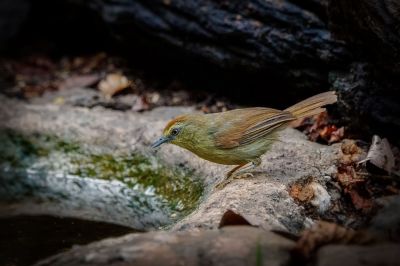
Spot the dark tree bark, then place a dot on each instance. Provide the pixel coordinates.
(370, 27)
(12, 15)
(287, 38)
(369, 90)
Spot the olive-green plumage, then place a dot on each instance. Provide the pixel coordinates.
(239, 136)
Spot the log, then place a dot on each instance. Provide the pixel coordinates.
(370, 27)
(289, 38)
(369, 88)
(13, 14)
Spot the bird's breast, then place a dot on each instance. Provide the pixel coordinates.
(232, 156)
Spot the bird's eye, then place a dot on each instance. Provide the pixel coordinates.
(174, 132)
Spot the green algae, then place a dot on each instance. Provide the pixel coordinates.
(175, 187)
(138, 171)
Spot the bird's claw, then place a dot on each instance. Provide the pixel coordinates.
(223, 184)
(243, 175)
(230, 178)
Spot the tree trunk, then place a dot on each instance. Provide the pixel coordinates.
(286, 38)
(369, 89)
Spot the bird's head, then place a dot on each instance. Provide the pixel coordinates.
(175, 132)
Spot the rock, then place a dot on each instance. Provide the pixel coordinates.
(86, 97)
(321, 199)
(237, 245)
(84, 198)
(61, 193)
(348, 255)
(264, 198)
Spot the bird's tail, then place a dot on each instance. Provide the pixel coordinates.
(313, 105)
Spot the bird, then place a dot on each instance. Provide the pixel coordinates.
(238, 137)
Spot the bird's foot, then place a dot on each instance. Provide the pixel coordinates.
(223, 184)
(229, 179)
(243, 175)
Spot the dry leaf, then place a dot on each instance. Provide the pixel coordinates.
(336, 135)
(232, 218)
(112, 84)
(318, 127)
(323, 233)
(347, 176)
(380, 154)
(79, 81)
(359, 202)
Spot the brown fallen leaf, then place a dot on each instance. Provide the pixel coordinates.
(323, 233)
(336, 135)
(79, 81)
(347, 176)
(319, 127)
(380, 154)
(359, 202)
(112, 84)
(320, 121)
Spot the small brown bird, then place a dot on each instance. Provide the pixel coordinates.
(237, 137)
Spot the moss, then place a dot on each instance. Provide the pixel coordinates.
(173, 186)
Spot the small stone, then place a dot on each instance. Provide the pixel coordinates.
(322, 199)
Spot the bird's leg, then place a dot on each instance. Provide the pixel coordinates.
(245, 168)
(226, 179)
(238, 172)
(236, 168)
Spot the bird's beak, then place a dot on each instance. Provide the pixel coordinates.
(159, 142)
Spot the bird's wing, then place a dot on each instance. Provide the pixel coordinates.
(244, 126)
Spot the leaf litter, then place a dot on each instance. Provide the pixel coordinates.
(110, 76)
(358, 187)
